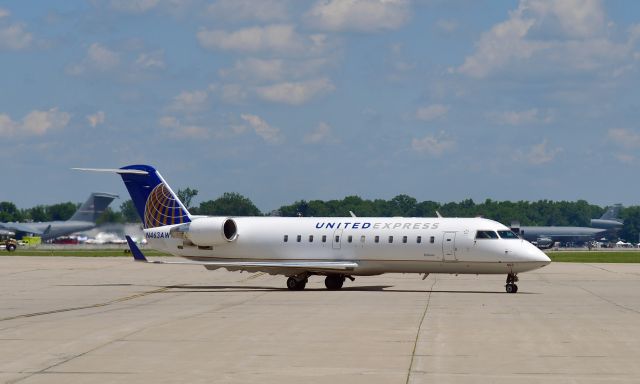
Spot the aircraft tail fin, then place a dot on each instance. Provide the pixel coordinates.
(95, 206)
(154, 200)
(156, 204)
(612, 212)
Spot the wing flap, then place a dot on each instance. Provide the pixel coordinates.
(312, 266)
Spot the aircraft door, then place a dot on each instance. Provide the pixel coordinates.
(337, 238)
(449, 246)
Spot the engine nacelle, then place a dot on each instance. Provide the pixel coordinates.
(208, 231)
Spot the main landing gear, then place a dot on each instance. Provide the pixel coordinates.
(332, 282)
(297, 283)
(511, 286)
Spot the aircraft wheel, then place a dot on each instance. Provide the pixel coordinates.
(334, 282)
(296, 285)
(11, 247)
(511, 288)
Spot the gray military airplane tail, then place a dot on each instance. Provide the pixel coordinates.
(610, 219)
(82, 220)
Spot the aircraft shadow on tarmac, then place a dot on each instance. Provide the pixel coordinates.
(369, 288)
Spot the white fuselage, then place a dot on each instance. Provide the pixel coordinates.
(378, 245)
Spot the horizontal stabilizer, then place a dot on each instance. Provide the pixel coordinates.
(20, 227)
(114, 170)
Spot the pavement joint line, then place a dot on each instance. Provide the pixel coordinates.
(415, 342)
(98, 305)
(609, 301)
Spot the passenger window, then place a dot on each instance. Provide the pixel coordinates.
(349, 238)
(337, 239)
(324, 238)
(286, 238)
(390, 239)
(404, 239)
(486, 235)
(432, 239)
(299, 238)
(419, 239)
(376, 239)
(311, 238)
(362, 238)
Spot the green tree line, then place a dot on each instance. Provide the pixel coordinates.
(542, 212)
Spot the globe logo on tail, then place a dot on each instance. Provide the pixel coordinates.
(163, 209)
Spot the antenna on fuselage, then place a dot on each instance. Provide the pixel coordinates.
(352, 214)
(439, 215)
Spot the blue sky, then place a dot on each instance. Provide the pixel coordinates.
(288, 100)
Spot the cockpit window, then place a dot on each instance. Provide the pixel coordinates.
(508, 235)
(486, 235)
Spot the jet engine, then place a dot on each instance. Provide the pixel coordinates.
(207, 231)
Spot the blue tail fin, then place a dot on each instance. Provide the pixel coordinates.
(154, 200)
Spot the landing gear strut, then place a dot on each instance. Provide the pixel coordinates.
(511, 286)
(297, 283)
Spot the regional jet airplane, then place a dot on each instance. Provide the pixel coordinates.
(337, 248)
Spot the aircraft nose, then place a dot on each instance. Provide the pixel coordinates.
(535, 254)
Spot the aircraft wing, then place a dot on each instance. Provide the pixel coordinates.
(312, 266)
(20, 227)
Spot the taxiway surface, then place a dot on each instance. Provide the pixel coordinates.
(98, 320)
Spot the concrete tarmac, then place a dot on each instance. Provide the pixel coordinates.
(110, 320)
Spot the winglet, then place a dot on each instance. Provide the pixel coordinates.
(135, 251)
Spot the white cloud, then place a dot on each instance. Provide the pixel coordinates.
(150, 60)
(96, 119)
(133, 6)
(434, 146)
(565, 35)
(270, 134)
(539, 154)
(238, 10)
(624, 138)
(35, 123)
(431, 112)
(179, 130)
(15, 37)
(190, 101)
(279, 38)
(529, 116)
(261, 70)
(234, 93)
(295, 93)
(358, 15)
(98, 58)
(4, 13)
(322, 134)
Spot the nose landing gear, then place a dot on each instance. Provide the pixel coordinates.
(511, 286)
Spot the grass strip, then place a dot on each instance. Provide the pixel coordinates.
(595, 256)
